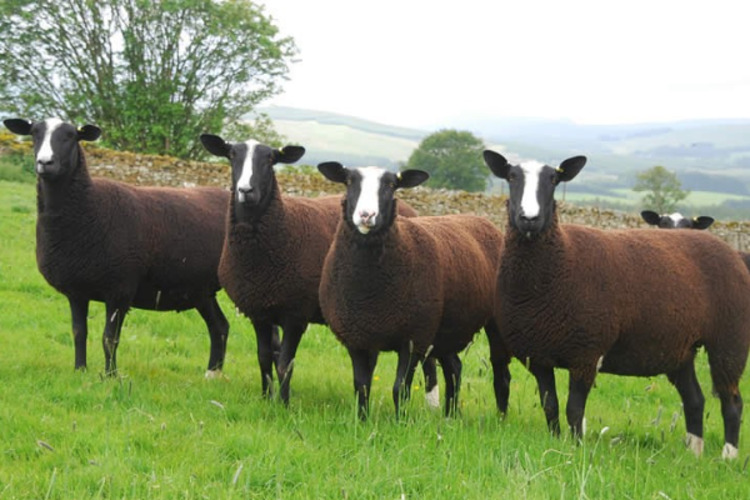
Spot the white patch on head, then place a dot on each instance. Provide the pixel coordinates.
(730, 452)
(45, 153)
(676, 218)
(529, 203)
(247, 170)
(433, 397)
(367, 209)
(695, 444)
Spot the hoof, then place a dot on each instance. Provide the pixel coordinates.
(729, 452)
(214, 375)
(433, 398)
(695, 444)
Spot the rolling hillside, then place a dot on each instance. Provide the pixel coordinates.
(711, 158)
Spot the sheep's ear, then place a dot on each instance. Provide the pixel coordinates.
(18, 126)
(289, 154)
(570, 168)
(215, 145)
(411, 178)
(651, 217)
(497, 163)
(89, 133)
(334, 171)
(702, 222)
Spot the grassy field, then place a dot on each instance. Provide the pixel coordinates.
(160, 430)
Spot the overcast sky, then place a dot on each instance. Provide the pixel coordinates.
(422, 63)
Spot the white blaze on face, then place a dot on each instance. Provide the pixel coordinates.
(243, 184)
(44, 155)
(529, 203)
(368, 208)
(676, 218)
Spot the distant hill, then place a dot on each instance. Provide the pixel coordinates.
(709, 156)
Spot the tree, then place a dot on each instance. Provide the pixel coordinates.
(154, 74)
(664, 189)
(453, 159)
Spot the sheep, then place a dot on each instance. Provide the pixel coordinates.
(421, 287)
(628, 302)
(678, 221)
(129, 247)
(273, 253)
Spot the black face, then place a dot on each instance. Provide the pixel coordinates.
(676, 221)
(370, 205)
(55, 144)
(531, 202)
(252, 165)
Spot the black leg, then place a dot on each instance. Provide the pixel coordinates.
(452, 366)
(500, 359)
(116, 312)
(293, 331)
(432, 390)
(79, 310)
(545, 379)
(693, 402)
(363, 363)
(727, 364)
(218, 330)
(404, 377)
(263, 335)
(578, 391)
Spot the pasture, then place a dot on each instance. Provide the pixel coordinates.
(160, 430)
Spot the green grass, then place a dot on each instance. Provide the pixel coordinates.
(160, 430)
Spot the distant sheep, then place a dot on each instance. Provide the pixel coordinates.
(418, 286)
(126, 246)
(678, 221)
(274, 250)
(628, 302)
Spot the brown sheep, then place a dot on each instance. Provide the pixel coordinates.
(629, 302)
(421, 287)
(273, 254)
(126, 246)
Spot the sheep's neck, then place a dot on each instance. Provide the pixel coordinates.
(532, 264)
(56, 196)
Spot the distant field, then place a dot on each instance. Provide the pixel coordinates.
(160, 431)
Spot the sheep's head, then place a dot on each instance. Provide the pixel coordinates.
(676, 220)
(531, 204)
(56, 151)
(252, 165)
(369, 203)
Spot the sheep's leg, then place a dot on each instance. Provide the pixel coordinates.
(79, 310)
(116, 312)
(578, 392)
(431, 387)
(293, 331)
(451, 365)
(727, 363)
(363, 364)
(404, 377)
(500, 359)
(218, 330)
(731, 411)
(687, 385)
(263, 336)
(545, 380)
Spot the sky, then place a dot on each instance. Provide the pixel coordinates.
(433, 64)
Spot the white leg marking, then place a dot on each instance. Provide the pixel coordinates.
(433, 397)
(214, 374)
(729, 452)
(695, 444)
(583, 427)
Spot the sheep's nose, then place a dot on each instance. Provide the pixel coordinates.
(366, 216)
(245, 189)
(42, 164)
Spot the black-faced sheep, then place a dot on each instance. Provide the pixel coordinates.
(273, 254)
(126, 246)
(418, 286)
(627, 302)
(678, 221)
